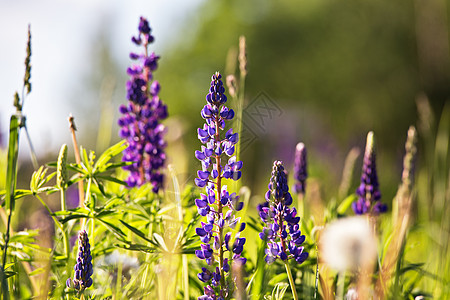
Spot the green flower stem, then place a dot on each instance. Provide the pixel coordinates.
(340, 285)
(291, 280)
(63, 200)
(316, 286)
(219, 189)
(301, 205)
(119, 280)
(73, 128)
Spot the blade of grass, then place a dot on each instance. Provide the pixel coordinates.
(11, 177)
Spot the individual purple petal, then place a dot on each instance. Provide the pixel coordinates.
(199, 254)
(203, 174)
(201, 203)
(202, 133)
(200, 231)
(208, 227)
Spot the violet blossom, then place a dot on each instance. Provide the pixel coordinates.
(83, 268)
(282, 229)
(217, 205)
(368, 192)
(300, 173)
(141, 118)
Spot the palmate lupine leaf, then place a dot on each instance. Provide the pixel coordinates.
(114, 229)
(137, 247)
(137, 232)
(279, 291)
(18, 193)
(72, 214)
(103, 162)
(39, 179)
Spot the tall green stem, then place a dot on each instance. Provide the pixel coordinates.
(291, 280)
(63, 200)
(11, 176)
(301, 205)
(316, 285)
(219, 188)
(340, 285)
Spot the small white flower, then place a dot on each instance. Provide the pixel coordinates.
(348, 244)
(117, 258)
(352, 294)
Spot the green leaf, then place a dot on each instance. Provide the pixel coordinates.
(4, 283)
(104, 212)
(105, 157)
(21, 193)
(39, 179)
(76, 168)
(78, 210)
(137, 247)
(137, 232)
(190, 250)
(47, 189)
(113, 228)
(100, 186)
(279, 290)
(113, 166)
(278, 278)
(345, 204)
(85, 163)
(259, 283)
(73, 217)
(253, 223)
(11, 169)
(160, 240)
(112, 179)
(37, 271)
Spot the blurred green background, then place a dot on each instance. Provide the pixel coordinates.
(331, 71)
(334, 70)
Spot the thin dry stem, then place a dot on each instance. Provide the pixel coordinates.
(73, 128)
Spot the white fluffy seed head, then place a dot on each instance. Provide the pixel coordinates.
(348, 244)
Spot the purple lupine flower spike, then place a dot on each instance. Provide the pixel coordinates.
(217, 204)
(368, 192)
(140, 121)
(282, 229)
(300, 173)
(83, 268)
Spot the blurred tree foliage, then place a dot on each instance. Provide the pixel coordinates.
(336, 68)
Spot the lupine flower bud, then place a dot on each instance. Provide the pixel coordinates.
(300, 173)
(61, 170)
(282, 229)
(83, 267)
(368, 193)
(217, 204)
(140, 121)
